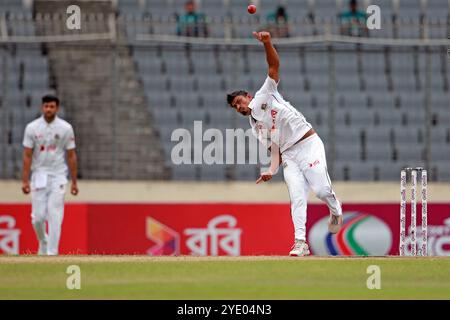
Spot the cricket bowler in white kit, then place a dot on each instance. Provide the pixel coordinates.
(46, 141)
(292, 141)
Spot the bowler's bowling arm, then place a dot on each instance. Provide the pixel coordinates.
(273, 60)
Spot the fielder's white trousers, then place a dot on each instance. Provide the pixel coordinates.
(48, 206)
(305, 168)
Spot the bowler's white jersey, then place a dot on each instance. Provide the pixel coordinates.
(49, 142)
(271, 113)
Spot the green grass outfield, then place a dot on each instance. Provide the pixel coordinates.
(139, 277)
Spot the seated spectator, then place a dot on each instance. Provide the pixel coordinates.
(192, 23)
(278, 24)
(353, 22)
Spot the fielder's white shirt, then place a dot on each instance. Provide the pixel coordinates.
(272, 116)
(49, 142)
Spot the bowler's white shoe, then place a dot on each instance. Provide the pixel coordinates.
(299, 249)
(335, 223)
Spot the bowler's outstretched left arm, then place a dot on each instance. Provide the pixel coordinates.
(275, 160)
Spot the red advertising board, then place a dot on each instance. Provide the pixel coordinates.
(17, 235)
(219, 229)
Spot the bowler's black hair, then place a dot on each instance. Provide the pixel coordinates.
(50, 98)
(234, 94)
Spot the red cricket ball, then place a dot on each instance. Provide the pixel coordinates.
(251, 9)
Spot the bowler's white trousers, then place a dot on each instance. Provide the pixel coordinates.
(48, 205)
(305, 168)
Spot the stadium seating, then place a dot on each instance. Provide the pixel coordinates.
(389, 118)
(374, 95)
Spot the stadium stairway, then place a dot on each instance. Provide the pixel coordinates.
(115, 135)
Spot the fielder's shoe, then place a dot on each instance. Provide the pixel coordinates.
(42, 249)
(299, 249)
(335, 223)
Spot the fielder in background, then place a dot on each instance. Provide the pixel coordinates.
(45, 142)
(292, 141)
